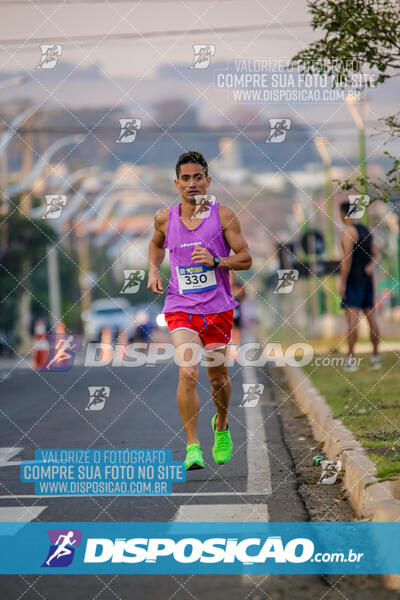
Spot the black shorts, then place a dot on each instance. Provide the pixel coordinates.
(359, 295)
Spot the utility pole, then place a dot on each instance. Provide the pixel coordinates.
(320, 144)
(84, 267)
(54, 286)
(25, 302)
(27, 166)
(4, 206)
(357, 115)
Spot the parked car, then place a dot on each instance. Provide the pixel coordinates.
(114, 313)
(146, 319)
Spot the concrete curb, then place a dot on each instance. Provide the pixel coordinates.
(379, 502)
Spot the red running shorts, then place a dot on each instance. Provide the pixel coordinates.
(214, 329)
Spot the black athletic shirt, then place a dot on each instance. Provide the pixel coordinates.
(361, 256)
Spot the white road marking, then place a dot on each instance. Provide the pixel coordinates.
(184, 494)
(258, 466)
(259, 477)
(23, 514)
(6, 454)
(222, 513)
(19, 516)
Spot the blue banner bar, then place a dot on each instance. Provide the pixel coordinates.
(213, 548)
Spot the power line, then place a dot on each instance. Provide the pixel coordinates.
(38, 2)
(149, 34)
(192, 129)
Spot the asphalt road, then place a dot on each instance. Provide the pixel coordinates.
(47, 410)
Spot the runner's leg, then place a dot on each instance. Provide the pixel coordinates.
(220, 385)
(188, 346)
(352, 315)
(373, 328)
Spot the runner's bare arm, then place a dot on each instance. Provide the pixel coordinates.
(376, 257)
(157, 251)
(241, 260)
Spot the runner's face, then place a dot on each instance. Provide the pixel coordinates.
(192, 181)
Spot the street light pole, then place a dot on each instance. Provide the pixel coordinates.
(54, 286)
(320, 144)
(351, 102)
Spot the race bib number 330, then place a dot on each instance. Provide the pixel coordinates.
(197, 278)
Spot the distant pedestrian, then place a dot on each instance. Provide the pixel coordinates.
(360, 255)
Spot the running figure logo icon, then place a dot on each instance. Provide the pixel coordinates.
(287, 278)
(133, 279)
(50, 55)
(63, 347)
(251, 394)
(129, 127)
(98, 396)
(203, 54)
(358, 204)
(62, 547)
(278, 130)
(54, 206)
(203, 206)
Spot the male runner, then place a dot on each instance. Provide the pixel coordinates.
(360, 255)
(199, 304)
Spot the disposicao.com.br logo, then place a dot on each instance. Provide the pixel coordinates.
(62, 547)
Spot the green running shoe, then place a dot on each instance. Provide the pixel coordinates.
(223, 447)
(194, 457)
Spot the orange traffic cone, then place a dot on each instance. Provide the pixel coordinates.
(41, 347)
(106, 345)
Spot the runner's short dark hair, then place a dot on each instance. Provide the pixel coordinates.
(345, 207)
(191, 157)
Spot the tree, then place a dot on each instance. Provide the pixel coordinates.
(359, 34)
(24, 253)
(365, 32)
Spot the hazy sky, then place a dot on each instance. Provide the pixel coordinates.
(40, 21)
(283, 30)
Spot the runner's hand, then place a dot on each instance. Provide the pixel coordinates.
(155, 283)
(202, 256)
(369, 269)
(342, 291)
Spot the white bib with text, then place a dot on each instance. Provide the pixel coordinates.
(197, 278)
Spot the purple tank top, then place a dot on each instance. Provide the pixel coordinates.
(215, 296)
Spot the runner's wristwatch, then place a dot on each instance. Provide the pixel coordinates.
(217, 260)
